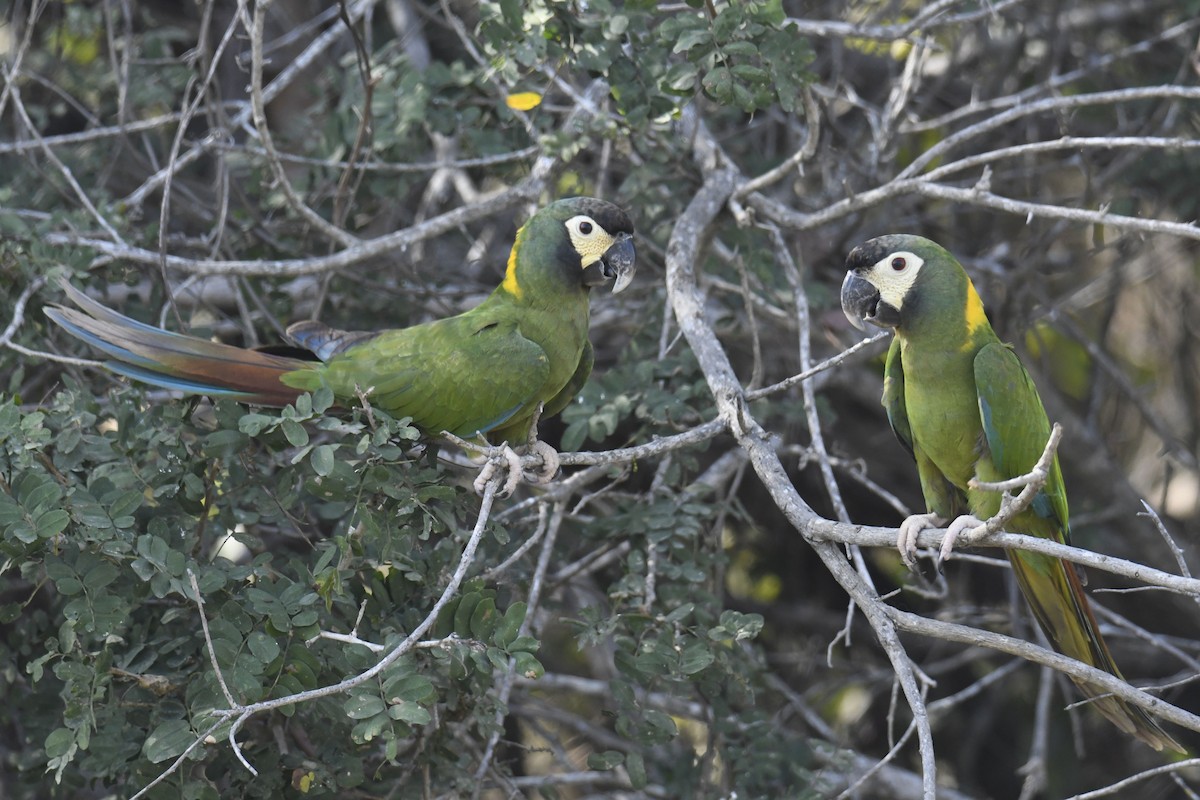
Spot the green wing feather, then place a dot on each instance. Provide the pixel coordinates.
(468, 374)
(893, 395)
(1016, 429)
(580, 377)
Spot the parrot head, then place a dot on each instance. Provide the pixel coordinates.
(592, 242)
(888, 278)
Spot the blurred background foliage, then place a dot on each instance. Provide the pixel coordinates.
(683, 641)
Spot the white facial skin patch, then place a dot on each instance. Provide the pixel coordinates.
(894, 275)
(589, 239)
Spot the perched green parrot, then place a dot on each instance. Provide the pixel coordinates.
(964, 406)
(485, 371)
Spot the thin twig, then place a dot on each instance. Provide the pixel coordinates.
(18, 317)
(259, 115)
(682, 255)
(212, 650)
(953, 632)
(869, 536)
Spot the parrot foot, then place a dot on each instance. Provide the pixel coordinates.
(957, 528)
(910, 528)
(549, 466)
(503, 456)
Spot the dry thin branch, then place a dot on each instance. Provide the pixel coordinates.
(1064, 143)
(290, 73)
(1097, 64)
(1175, 549)
(817, 438)
(788, 217)
(52, 157)
(18, 318)
(932, 16)
(1035, 767)
(953, 632)
(261, 126)
(812, 115)
(212, 652)
(365, 250)
(682, 255)
(869, 536)
(125, 128)
(1047, 106)
(978, 196)
(1120, 786)
(533, 606)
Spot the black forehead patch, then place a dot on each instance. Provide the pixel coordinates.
(609, 216)
(869, 253)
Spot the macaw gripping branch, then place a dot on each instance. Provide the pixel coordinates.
(488, 371)
(966, 409)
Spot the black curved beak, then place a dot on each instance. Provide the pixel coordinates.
(859, 300)
(616, 265)
(861, 304)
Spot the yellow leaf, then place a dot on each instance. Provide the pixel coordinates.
(524, 101)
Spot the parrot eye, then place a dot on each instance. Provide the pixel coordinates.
(898, 264)
(581, 227)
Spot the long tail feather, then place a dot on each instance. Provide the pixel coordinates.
(1056, 596)
(175, 361)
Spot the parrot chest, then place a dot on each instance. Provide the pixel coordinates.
(943, 411)
(561, 333)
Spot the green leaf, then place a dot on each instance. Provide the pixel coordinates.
(294, 432)
(510, 625)
(305, 618)
(410, 712)
(680, 613)
(100, 576)
(635, 766)
(680, 78)
(741, 49)
(168, 740)
(527, 666)
(321, 459)
(748, 72)
(573, 436)
(369, 728)
(322, 400)
(125, 504)
(303, 406)
(410, 686)
(52, 523)
(483, 619)
(462, 615)
(264, 647)
(362, 706)
(254, 424)
(60, 742)
(727, 21)
(695, 657)
(224, 442)
(36, 492)
(511, 9)
(691, 38)
(719, 84)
